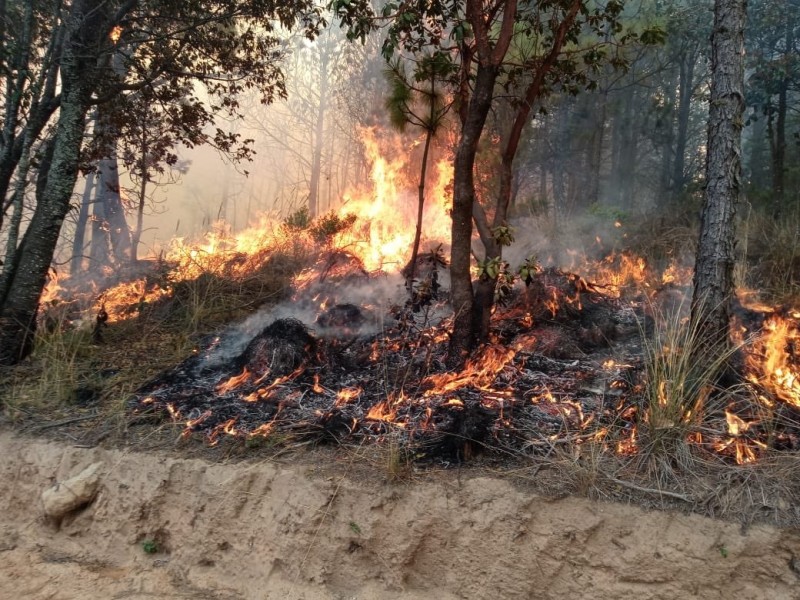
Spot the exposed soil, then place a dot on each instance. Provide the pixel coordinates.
(274, 530)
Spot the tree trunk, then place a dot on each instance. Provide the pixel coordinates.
(137, 232)
(319, 142)
(108, 194)
(463, 336)
(713, 279)
(42, 99)
(412, 273)
(17, 205)
(779, 149)
(19, 303)
(598, 124)
(485, 287)
(687, 64)
(76, 264)
(667, 138)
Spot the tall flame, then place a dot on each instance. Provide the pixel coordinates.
(769, 363)
(387, 212)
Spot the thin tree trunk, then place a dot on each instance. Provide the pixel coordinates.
(420, 208)
(137, 232)
(319, 132)
(687, 65)
(463, 336)
(76, 264)
(668, 127)
(109, 195)
(421, 187)
(18, 208)
(779, 148)
(713, 279)
(485, 287)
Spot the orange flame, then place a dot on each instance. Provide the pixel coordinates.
(386, 410)
(347, 395)
(384, 231)
(769, 363)
(479, 372)
(234, 382)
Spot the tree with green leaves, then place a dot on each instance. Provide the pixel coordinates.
(564, 43)
(419, 102)
(221, 46)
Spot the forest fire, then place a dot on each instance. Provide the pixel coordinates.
(564, 362)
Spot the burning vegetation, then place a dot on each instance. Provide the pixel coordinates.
(595, 354)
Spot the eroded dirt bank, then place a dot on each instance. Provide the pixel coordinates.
(272, 530)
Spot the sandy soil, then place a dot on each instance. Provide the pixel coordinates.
(267, 530)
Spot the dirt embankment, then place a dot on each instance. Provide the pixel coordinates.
(268, 530)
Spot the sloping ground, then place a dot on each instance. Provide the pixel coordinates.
(269, 530)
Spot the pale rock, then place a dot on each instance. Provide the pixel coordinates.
(73, 493)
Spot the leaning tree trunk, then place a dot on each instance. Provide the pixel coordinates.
(713, 279)
(19, 303)
(461, 294)
(485, 287)
(19, 306)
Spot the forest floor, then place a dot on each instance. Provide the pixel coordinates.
(326, 524)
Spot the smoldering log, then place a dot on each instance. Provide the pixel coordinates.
(279, 349)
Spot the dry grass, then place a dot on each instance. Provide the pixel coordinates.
(677, 392)
(772, 248)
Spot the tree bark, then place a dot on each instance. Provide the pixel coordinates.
(485, 286)
(421, 200)
(463, 336)
(473, 112)
(319, 142)
(79, 63)
(713, 279)
(108, 193)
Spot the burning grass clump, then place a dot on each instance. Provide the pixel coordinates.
(677, 393)
(129, 324)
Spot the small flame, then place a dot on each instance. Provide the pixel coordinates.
(192, 423)
(736, 425)
(347, 395)
(386, 410)
(234, 382)
(317, 388)
(629, 445)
